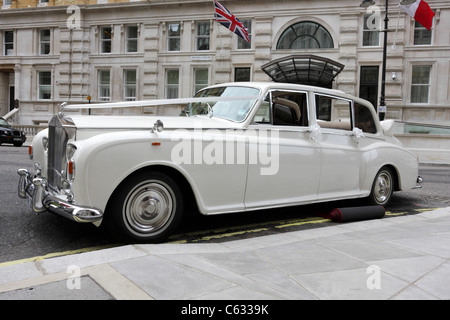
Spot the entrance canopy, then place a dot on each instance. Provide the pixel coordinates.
(303, 69)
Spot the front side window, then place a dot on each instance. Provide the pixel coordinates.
(8, 43)
(305, 35)
(131, 39)
(129, 85)
(172, 83)
(45, 85)
(105, 39)
(202, 35)
(420, 84)
(173, 36)
(44, 41)
(104, 85)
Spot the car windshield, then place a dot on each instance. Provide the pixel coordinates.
(3, 123)
(236, 105)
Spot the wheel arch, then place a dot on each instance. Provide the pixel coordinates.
(190, 201)
(396, 175)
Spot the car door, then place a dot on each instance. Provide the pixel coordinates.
(284, 160)
(342, 166)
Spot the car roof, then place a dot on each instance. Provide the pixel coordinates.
(264, 86)
(279, 85)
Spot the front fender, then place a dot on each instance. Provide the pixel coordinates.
(104, 161)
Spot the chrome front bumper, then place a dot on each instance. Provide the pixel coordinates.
(41, 200)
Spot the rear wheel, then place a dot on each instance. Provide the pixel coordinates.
(383, 187)
(145, 208)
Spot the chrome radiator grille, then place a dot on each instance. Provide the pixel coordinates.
(61, 129)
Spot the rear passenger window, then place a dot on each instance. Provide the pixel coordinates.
(364, 119)
(333, 112)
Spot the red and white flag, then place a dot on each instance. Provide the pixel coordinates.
(421, 12)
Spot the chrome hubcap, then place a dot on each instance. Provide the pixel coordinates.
(383, 187)
(149, 206)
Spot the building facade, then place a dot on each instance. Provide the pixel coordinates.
(81, 51)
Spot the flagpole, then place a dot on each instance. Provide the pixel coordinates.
(218, 27)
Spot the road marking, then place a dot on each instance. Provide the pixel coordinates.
(55, 254)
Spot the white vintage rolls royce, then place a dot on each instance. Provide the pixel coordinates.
(235, 147)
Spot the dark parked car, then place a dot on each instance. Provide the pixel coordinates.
(11, 135)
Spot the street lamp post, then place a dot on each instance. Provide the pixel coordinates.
(366, 4)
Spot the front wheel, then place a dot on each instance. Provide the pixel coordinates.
(145, 208)
(382, 188)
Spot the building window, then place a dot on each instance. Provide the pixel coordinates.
(45, 85)
(129, 86)
(105, 39)
(202, 35)
(131, 39)
(173, 36)
(104, 85)
(172, 83)
(8, 43)
(7, 2)
(422, 36)
(44, 41)
(200, 79)
(420, 84)
(242, 44)
(371, 34)
(305, 35)
(241, 74)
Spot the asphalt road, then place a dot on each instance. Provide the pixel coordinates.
(25, 235)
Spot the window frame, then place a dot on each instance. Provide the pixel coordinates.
(198, 86)
(419, 30)
(241, 43)
(128, 39)
(416, 85)
(102, 86)
(206, 37)
(41, 86)
(366, 31)
(175, 38)
(292, 28)
(45, 42)
(103, 41)
(130, 85)
(8, 43)
(168, 87)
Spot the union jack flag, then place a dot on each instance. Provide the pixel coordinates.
(228, 20)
